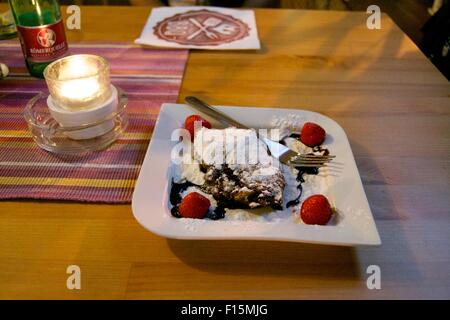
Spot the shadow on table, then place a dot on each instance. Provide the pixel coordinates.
(265, 258)
(395, 257)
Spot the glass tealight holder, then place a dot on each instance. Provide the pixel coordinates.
(78, 82)
(83, 112)
(51, 136)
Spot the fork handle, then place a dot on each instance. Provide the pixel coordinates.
(214, 113)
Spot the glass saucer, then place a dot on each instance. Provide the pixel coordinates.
(50, 136)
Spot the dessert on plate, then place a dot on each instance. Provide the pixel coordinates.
(230, 175)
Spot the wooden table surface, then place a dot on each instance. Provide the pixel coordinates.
(393, 104)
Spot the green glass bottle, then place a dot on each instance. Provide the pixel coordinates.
(41, 32)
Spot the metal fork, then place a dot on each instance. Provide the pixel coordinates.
(292, 158)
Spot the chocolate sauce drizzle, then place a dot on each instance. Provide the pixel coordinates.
(303, 170)
(300, 179)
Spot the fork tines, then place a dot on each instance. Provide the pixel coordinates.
(311, 160)
(308, 165)
(314, 156)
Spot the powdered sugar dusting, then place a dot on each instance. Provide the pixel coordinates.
(231, 146)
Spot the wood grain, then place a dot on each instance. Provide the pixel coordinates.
(395, 108)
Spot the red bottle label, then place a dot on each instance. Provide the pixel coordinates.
(43, 43)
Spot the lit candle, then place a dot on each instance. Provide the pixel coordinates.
(79, 81)
(81, 95)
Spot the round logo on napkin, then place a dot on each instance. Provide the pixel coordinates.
(201, 28)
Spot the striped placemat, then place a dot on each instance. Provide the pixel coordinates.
(149, 77)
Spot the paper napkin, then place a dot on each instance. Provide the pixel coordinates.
(211, 28)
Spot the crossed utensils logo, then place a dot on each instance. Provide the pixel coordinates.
(201, 27)
(215, 24)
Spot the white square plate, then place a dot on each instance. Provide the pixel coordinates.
(150, 203)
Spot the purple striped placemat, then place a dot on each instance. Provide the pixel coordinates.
(149, 77)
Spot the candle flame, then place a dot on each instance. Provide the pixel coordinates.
(80, 89)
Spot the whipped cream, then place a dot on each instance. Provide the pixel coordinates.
(286, 125)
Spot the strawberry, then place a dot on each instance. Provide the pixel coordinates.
(194, 205)
(189, 124)
(312, 134)
(316, 210)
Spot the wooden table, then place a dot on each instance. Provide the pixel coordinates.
(392, 102)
